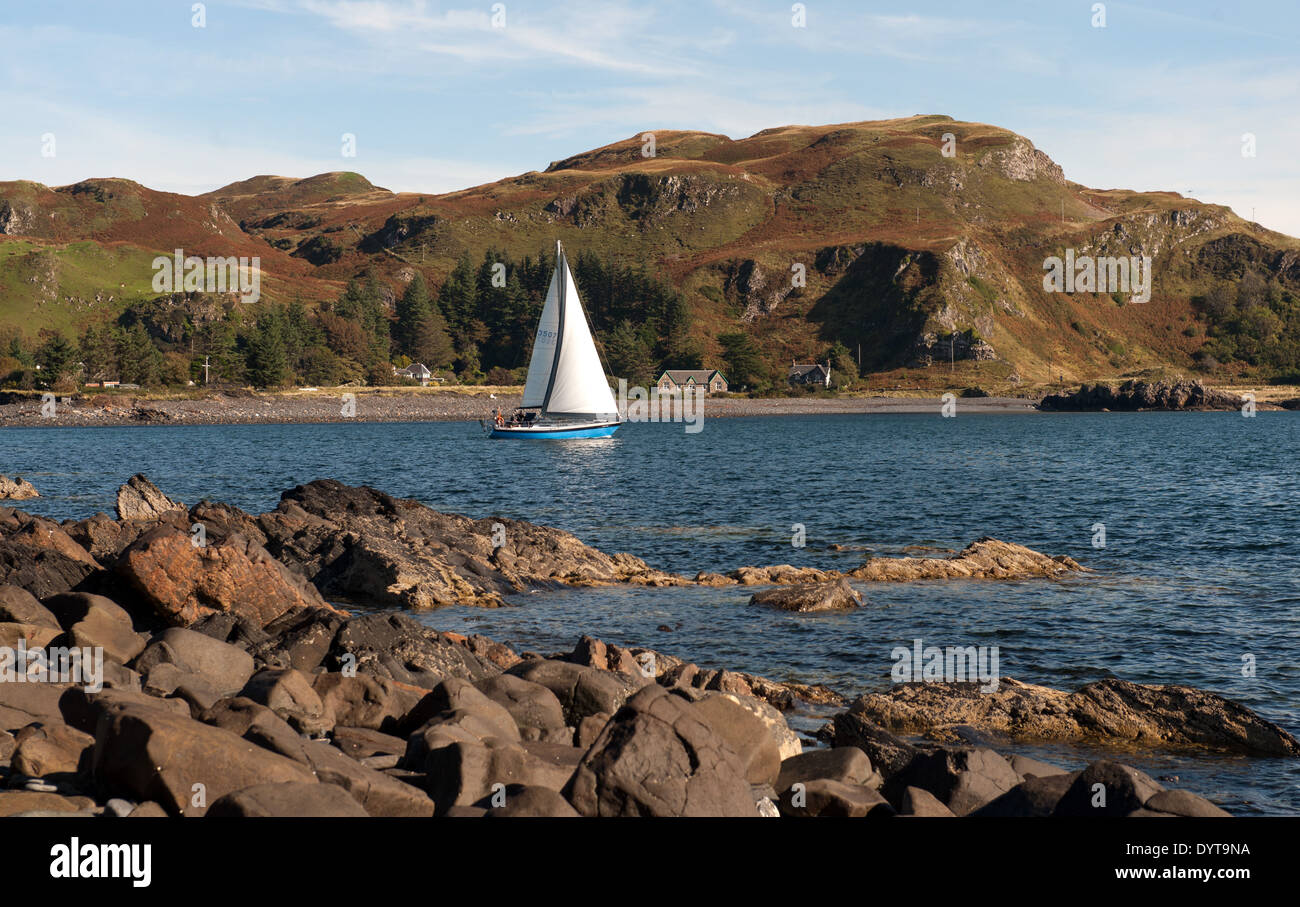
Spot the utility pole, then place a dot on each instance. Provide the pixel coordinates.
(205, 370)
(952, 353)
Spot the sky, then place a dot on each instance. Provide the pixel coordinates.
(187, 97)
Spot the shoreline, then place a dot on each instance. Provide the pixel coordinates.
(440, 405)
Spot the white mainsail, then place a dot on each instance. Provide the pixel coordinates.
(545, 343)
(565, 376)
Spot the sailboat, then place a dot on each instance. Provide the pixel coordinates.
(566, 394)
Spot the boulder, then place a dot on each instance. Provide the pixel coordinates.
(533, 707)
(17, 489)
(299, 639)
(182, 582)
(461, 774)
(363, 743)
(146, 753)
(582, 691)
(847, 764)
(1037, 795)
(140, 499)
(18, 606)
(658, 757)
(1185, 803)
(362, 701)
(224, 667)
(824, 797)
(51, 749)
(833, 595)
(745, 733)
(118, 640)
(888, 754)
(20, 802)
(23, 703)
(963, 779)
(454, 697)
(400, 648)
(589, 729)
(289, 694)
(1107, 788)
(288, 799)
(37, 555)
(922, 804)
(521, 801)
(1032, 768)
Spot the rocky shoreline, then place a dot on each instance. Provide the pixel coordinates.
(234, 684)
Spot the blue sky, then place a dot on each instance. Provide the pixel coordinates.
(439, 99)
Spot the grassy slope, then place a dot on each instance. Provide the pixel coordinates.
(970, 233)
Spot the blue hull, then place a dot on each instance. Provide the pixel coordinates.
(603, 431)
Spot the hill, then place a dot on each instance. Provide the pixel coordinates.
(914, 240)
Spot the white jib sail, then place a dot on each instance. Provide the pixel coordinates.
(579, 386)
(545, 343)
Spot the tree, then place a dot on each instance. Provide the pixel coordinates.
(628, 355)
(268, 364)
(56, 356)
(413, 307)
(745, 366)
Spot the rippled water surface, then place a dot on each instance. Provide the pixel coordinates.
(1200, 567)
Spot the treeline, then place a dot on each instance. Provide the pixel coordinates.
(478, 327)
(1255, 321)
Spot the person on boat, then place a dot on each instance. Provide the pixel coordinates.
(500, 420)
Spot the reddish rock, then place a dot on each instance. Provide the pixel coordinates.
(183, 582)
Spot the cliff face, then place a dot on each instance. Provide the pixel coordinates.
(917, 239)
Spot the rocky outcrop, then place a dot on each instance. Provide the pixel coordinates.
(17, 489)
(36, 554)
(361, 544)
(834, 595)
(1110, 711)
(140, 499)
(1136, 395)
(183, 582)
(984, 558)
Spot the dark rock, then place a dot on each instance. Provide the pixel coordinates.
(224, 667)
(824, 797)
(533, 706)
(364, 701)
(1038, 795)
(888, 754)
(589, 729)
(300, 639)
(1115, 789)
(582, 691)
(462, 774)
(52, 749)
(23, 703)
(848, 764)
(658, 757)
(1142, 395)
(147, 753)
(37, 555)
(964, 778)
(288, 798)
(528, 802)
(1185, 803)
(833, 595)
(922, 804)
(289, 694)
(745, 733)
(402, 649)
